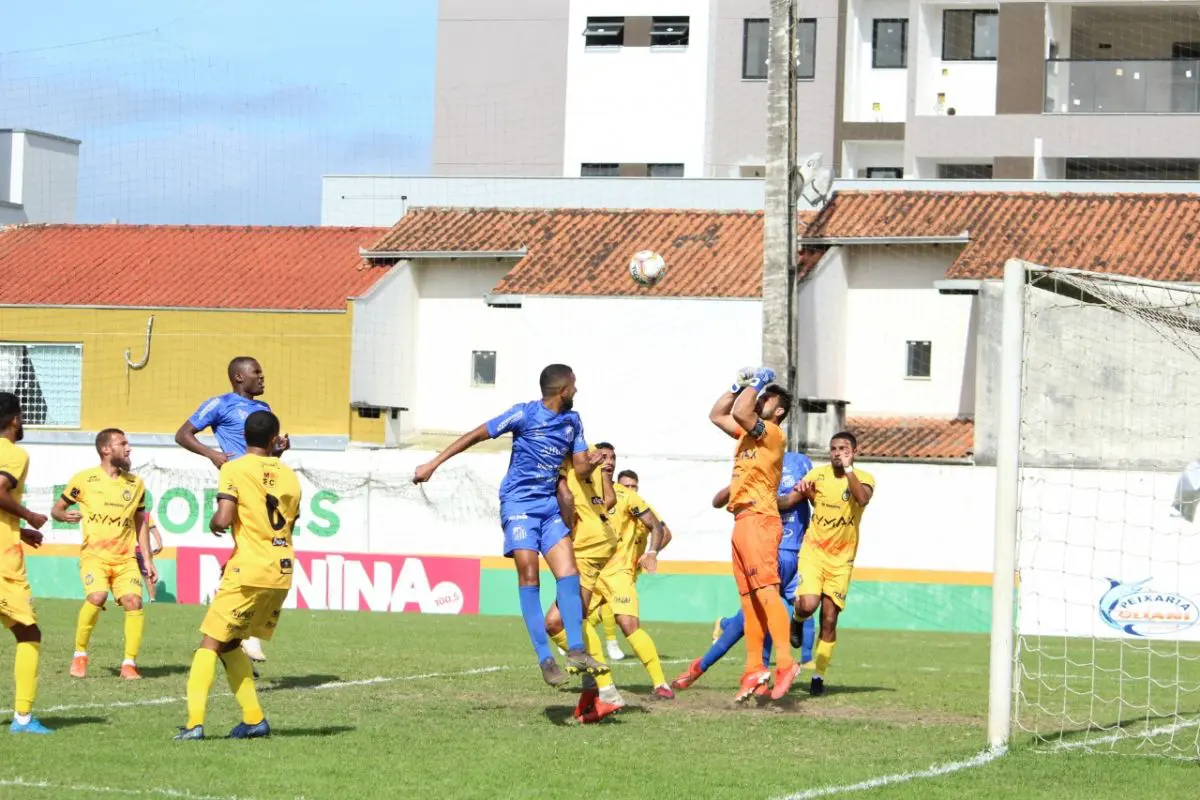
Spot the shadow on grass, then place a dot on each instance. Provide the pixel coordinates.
(160, 671)
(297, 682)
(839, 689)
(565, 715)
(327, 730)
(59, 723)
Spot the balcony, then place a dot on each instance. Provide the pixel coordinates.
(1146, 86)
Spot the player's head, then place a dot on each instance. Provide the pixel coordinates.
(10, 417)
(843, 443)
(608, 453)
(774, 403)
(113, 447)
(246, 376)
(262, 428)
(557, 382)
(628, 478)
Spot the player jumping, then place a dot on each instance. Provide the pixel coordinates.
(16, 598)
(751, 412)
(112, 503)
(226, 414)
(259, 496)
(839, 495)
(545, 432)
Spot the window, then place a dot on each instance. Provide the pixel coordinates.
(970, 35)
(889, 44)
(665, 170)
(752, 171)
(669, 32)
(885, 172)
(952, 172)
(604, 32)
(599, 170)
(919, 359)
(369, 412)
(47, 379)
(755, 39)
(483, 368)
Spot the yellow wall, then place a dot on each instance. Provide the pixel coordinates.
(305, 357)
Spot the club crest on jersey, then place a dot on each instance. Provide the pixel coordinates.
(570, 431)
(518, 534)
(846, 493)
(126, 495)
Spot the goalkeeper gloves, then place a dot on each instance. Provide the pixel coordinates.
(744, 377)
(762, 376)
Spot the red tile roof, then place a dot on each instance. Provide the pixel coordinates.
(587, 252)
(913, 437)
(168, 266)
(1146, 235)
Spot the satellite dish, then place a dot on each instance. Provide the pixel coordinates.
(814, 182)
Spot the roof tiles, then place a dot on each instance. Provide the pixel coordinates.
(913, 437)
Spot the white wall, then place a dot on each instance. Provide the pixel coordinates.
(969, 86)
(866, 86)
(638, 105)
(891, 300)
(383, 349)
(821, 329)
(39, 172)
(857, 156)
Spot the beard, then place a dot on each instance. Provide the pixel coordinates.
(568, 403)
(20, 432)
(122, 464)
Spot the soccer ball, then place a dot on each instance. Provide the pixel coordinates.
(647, 267)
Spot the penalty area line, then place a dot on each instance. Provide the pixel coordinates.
(936, 771)
(24, 783)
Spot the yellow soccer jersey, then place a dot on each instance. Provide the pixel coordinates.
(593, 536)
(14, 464)
(836, 516)
(267, 494)
(109, 506)
(634, 535)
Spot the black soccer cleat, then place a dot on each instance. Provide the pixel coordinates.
(797, 633)
(816, 687)
(579, 661)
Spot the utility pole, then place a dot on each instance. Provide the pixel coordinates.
(779, 218)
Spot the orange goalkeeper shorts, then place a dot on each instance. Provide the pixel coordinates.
(756, 551)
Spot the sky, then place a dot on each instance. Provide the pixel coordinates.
(222, 111)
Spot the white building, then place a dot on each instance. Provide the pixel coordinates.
(38, 177)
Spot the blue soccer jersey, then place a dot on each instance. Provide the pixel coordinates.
(795, 467)
(226, 415)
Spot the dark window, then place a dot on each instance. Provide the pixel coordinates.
(368, 412)
(755, 46)
(970, 35)
(483, 368)
(885, 172)
(889, 44)
(669, 32)
(665, 170)
(952, 172)
(920, 356)
(604, 32)
(599, 170)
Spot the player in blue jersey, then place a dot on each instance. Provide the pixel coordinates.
(795, 513)
(226, 415)
(545, 434)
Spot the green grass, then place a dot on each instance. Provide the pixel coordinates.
(898, 702)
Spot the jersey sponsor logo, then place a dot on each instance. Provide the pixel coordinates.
(108, 519)
(516, 517)
(831, 522)
(509, 421)
(1138, 610)
(278, 542)
(74, 493)
(93, 479)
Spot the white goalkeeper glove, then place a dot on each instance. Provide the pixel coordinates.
(745, 377)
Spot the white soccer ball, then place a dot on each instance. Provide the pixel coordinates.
(647, 267)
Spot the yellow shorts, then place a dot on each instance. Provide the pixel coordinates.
(616, 586)
(820, 574)
(589, 571)
(237, 612)
(121, 579)
(16, 604)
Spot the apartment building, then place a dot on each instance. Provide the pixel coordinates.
(886, 88)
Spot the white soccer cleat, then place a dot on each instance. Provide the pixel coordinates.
(253, 648)
(614, 650)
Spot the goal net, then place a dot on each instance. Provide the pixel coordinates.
(1108, 553)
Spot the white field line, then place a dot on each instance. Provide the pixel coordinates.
(986, 757)
(79, 788)
(1113, 738)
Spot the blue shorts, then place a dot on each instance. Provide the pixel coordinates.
(789, 573)
(532, 525)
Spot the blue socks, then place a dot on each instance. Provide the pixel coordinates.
(535, 620)
(570, 605)
(735, 628)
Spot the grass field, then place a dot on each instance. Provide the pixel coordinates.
(395, 706)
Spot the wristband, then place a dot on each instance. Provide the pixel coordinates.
(849, 469)
(650, 553)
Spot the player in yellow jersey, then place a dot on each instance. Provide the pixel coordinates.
(259, 496)
(16, 598)
(111, 504)
(839, 493)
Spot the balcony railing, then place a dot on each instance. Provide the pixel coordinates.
(1148, 86)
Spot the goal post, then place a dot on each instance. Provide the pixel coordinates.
(1097, 478)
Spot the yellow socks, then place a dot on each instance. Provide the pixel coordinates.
(241, 682)
(823, 656)
(88, 616)
(25, 675)
(560, 639)
(647, 653)
(200, 680)
(596, 650)
(135, 624)
(609, 622)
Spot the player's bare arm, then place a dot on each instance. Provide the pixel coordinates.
(62, 512)
(566, 503)
(156, 545)
(721, 415)
(459, 445)
(141, 523)
(649, 559)
(585, 462)
(795, 497)
(721, 498)
(843, 460)
(745, 411)
(9, 505)
(666, 540)
(222, 518)
(606, 482)
(185, 437)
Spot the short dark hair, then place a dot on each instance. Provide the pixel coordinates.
(554, 378)
(105, 436)
(848, 436)
(605, 446)
(786, 401)
(238, 364)
(627, 473)
(261, 429)
(10, 407)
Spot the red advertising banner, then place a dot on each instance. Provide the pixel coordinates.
(351, 581)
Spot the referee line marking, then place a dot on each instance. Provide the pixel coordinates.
(936, 771)
(23, 783)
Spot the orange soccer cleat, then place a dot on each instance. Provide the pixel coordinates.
(751, 684)
(783, 680)
(130, 672)
(688, 676)
(599, 711)
(79, 667)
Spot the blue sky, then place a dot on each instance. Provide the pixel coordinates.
(222, 111)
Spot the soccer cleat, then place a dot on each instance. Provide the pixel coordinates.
(750, 684)
(33, 726)
(599, 711)
(586, 704)
(664, 693)
(130, 672)
(763, 689)
(688, 676)
(816, 686)
(552, 673)
(783, 680)
(579, 661)
(79, 667)
(188, 734)
(245, 731)
(614, 650)
(797, 632)
(253, 648)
